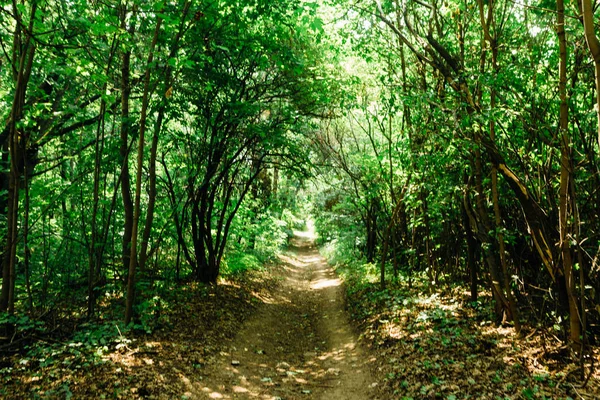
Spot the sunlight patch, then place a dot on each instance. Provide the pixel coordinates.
(310, 260)
(310, 234)
(325, 283)
(212, 394)
(240, 389)
(292, 261)
(264, 298)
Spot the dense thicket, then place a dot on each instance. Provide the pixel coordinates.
(145, 142)
(134, 132)
(470, 153)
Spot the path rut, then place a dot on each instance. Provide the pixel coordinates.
(298, 345)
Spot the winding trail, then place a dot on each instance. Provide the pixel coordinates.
(299, 344)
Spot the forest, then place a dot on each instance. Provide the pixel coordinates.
(160, 160)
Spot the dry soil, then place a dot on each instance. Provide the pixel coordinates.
(299, 344)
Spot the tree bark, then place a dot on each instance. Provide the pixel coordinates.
(587, 11)
(471, 245)
(17, 144)
(565, 182)
(390, 228)
(151, 191)
(124, 149)
(133, 261)
(371, 226)
(95, 250)
(26, 251)
(486, 23)
(488, 247)
(144, 252)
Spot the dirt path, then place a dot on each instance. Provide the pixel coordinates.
(298, 345)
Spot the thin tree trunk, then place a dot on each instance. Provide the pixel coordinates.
(587, 11)
(565, 178)
(138, 180)
(17, 142)
(151, 191)
(471, 243)
(124, 149)
(275, 181)
(93, 248)
(178, 262)
(580, 260)
(484, 237)
(486, 23)
(388, 233)
(26, 237)
(144, 253)
(96, 250)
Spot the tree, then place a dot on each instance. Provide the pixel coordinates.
(239, 111)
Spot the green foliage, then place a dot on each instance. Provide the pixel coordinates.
(260, 237)
(23, 324)
(271, 235)
(247, 100)
(97, 337)
(348, 263)
(238, 262)
(151, 313)
(236, 85)
(85, 348)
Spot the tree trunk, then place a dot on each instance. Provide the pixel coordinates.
(484, 227)
(133, 261)
(398, 209)
(4, 187)
(275, 186)
(94, 250)
(151, 191)
(17, 143)
(565, 182)
(486, 22)
(26, 251)
(471, 245)
(144, 253)
(593, 43)
(8, 268)
(124, 149)
(371, 231)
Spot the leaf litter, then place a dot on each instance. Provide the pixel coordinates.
(433, 346)
(135, 364)
(419, 346)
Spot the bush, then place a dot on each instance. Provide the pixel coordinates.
(237, 262)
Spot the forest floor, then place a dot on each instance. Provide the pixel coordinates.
(295, 331)
(281, 333)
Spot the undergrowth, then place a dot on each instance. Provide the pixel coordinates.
(44, 353)
(433, 342)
